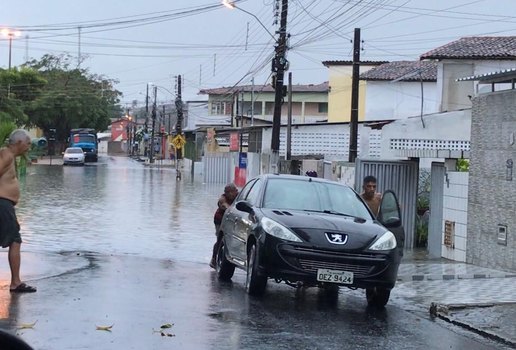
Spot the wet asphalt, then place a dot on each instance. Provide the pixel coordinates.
(121, 245)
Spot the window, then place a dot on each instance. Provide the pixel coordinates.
(253, 196)
(323, 107)
(313, 195)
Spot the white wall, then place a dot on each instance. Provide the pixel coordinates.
(455, 209)
(444, 130)
(387, 100)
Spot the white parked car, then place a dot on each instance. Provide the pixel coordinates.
(73, 155)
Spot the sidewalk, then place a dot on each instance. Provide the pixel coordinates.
(479, 299)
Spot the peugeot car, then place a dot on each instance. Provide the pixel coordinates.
(307, 231)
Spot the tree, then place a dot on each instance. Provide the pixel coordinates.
(18, 88)
(72, 98)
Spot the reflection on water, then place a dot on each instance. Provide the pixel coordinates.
(119, 207)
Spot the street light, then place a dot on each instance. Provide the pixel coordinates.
(9, 33)
(231, 5)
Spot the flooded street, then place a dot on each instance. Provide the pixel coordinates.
(117, 206)
(118, 244)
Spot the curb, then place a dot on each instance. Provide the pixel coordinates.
(443, 277)
(441, 311)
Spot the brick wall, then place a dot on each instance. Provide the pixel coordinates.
(492, 194)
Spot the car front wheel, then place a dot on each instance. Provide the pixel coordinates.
(377, 297)
(255, 283)
(225, 269)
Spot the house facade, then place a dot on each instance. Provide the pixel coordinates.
(400, 89)
(340, 81)
(469, 56)
(256, 102)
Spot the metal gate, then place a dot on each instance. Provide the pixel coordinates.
(435, 230)
(402, 178)
(217, 168)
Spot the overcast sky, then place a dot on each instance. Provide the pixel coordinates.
(137, 42)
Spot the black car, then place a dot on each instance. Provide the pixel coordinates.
(307, 231)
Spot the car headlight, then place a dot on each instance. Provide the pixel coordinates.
(277, 230)
(387, 241)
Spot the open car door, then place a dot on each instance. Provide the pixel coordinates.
(390, 217)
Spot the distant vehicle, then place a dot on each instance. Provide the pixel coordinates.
(86, 139)
(74, 155)
(311, 232)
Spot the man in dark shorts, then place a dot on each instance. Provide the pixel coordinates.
(225, 200)
(18, 145)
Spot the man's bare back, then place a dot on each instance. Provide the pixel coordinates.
(9, 186)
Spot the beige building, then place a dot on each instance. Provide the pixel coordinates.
(309, 103)
(339, 99)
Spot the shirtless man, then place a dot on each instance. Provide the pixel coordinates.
(224, 202)
(18, 144)
(369, 194)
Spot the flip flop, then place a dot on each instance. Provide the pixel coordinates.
(23, 288)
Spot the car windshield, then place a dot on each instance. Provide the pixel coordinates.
(313, 196)
(74, 150)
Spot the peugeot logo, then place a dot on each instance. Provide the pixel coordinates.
(336, 238)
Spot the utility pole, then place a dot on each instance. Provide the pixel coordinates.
(79, 47)
(279, 64)
(151, 158)
(353, 126)
(252, 101)
(179, 127)
(289, 122)
(179, 110)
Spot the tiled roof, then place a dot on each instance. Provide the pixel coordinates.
(479, 47)
(350, 63)
(404, 71)
(323, 87)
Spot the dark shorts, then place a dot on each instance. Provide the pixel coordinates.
(9, 227)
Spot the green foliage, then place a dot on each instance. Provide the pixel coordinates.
(462, 165)
(73, 98)
(422, 206)
(18, 88)
(6, 128)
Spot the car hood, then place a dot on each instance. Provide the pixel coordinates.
(315, 228)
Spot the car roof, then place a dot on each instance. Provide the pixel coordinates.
(300, 178)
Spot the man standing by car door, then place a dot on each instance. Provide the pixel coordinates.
(19, 144)
(369, 194)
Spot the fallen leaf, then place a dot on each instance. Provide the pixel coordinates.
(27, 325)
(166, 325)
(105, 328)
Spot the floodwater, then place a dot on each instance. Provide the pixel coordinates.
(117, 206)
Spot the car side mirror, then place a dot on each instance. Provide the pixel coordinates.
(245, 206)
(389, 214)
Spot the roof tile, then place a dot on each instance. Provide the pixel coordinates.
(476, 47)
(403, 70)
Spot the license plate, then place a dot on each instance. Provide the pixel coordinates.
(335, 276)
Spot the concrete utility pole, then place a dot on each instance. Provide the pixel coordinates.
(279, 64)
(289, 123)
(151, 150)
(353, 126)
(179, 127)
(179, 110)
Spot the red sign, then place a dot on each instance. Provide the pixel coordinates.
(233, 141)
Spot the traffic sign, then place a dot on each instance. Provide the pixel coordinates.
(178, 141)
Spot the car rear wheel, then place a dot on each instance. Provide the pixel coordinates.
(254, 283)
(225, 269)
(377, 297)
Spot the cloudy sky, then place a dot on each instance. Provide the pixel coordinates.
(137, 42)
